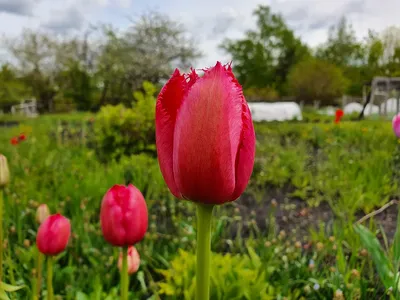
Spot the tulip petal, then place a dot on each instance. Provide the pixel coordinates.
(246, 152)
(168, 102)
(206, 139)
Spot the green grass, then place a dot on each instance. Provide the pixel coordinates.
(352, 166)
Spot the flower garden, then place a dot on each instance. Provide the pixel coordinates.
(317, 219)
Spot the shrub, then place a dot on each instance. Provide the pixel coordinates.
(119, 130)
(232, 277)
(261, 94)
(314, 79)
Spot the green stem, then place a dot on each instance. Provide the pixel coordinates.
(124, 274)
(204, 216)
(39, 274)
(50, 291)
(1, 233)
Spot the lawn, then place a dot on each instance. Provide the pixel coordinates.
(289, 236)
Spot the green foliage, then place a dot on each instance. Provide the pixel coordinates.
(315, 79)
(351, 165)
(379, 257)
(260, 94)
(232, 277)
(90, 72)
(348, 165)
(265, 56)
(12, 91)
(78, 86)
(123, 131)
(342, 47)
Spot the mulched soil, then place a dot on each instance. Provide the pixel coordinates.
(295, 216)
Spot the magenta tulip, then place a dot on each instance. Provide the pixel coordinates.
(396, 125)
(205, 136)
(53, 235)
(123, 215)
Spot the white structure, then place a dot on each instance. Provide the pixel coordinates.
(357, 107)
(391, 104)
(28, 109)
(276, 111)
(384, 89)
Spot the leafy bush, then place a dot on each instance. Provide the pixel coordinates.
(119, 130)
(232, 277)
(314, 79)
(261, 94)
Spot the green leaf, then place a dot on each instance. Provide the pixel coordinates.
(340, 260)
(3, 295)
(81, 296)
(378, 256)
(10, 288)
(255, 259)
(396, 244)
(140, 277)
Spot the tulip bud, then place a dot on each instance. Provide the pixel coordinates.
(42, 212)
(4, 171)
(53, 235)
(123, 215)
(396, 125)
(133, 260)
(205, 136)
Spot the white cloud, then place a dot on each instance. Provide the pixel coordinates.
(65, 20)
(17, 7)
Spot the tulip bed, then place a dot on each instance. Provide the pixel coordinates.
(290, 235)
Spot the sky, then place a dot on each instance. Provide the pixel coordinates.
(208, 21)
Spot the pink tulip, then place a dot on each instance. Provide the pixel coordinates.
(53, 235)
(205, 136)
(396, 125)
(133, 260)
(123, 215)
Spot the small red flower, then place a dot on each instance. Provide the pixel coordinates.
(338, 115)
(22, 137)
(14, 141)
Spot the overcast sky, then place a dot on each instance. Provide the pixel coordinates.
(208, 20)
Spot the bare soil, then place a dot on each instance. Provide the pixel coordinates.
(295, 216)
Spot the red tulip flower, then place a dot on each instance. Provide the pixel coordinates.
(22, 137)
(53, 235)
(205, 136)
(14, 141)
(338, 115)
(133, 260)
(123, 215)
(206, 146)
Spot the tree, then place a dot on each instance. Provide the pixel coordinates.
(342, 47)
(107, 69)
(315, 79)
(35, 56)
(147, 51)
(12, 90)
(345, 51)
(265, 56)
